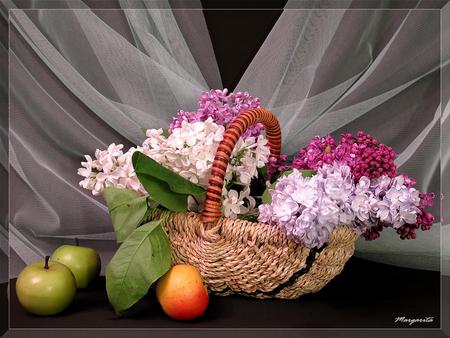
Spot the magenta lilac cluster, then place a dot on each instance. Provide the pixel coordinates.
(277, 165)
(365, 156)
(319, 151)
(362, 153)
(222, 107)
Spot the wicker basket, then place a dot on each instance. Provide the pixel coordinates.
(253, 259)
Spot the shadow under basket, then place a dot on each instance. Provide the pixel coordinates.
(241, 257)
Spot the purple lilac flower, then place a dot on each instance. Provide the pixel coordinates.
(424, 219)
(308, 209)
(405, 218)
(222, 107)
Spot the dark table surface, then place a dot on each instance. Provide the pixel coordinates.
(364, 295)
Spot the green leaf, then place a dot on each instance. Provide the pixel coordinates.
(251, 216)
(127, 210)
(161, 193)
(138, 263)
(266, 198)
(308, 173)
(163, 185)
(144, 165)
(262, 173)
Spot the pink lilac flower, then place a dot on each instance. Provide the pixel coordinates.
(319, 151)
(184, 116)
(222, 107)
(362, 153)
(365, 156)
(277, 164)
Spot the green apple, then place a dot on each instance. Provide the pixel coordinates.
(82, 261)
(45, 288)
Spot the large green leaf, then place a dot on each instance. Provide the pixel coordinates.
(127, 210)
(138, 263)
(144, 165)
(161, 193)
(266, 198)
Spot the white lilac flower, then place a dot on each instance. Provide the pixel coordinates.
(248, 155)
(189, 151)
(237, 203)
(86, 169)
(111, 168)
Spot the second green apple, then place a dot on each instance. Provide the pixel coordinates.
(82, 261)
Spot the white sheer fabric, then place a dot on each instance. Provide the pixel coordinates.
(78, 84)
(348, 70)
(127, 84)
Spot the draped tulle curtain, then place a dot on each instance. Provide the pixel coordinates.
(82, 78)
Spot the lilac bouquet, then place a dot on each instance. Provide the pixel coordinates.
(327, 184)
(356, 184)
(354, 181)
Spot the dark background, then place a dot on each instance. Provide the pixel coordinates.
(365, 295)
(237, 35)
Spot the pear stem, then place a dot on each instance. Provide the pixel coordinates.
(46, 262)
(77, 242)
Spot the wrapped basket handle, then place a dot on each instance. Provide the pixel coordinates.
(213, 204)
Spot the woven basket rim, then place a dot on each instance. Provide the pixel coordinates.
(254, 232)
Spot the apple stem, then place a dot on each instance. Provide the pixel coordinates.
(46, 262)
(77, 242)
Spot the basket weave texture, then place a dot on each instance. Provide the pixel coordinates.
(253, 259)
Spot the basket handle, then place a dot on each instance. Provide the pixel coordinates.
(212, 210)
